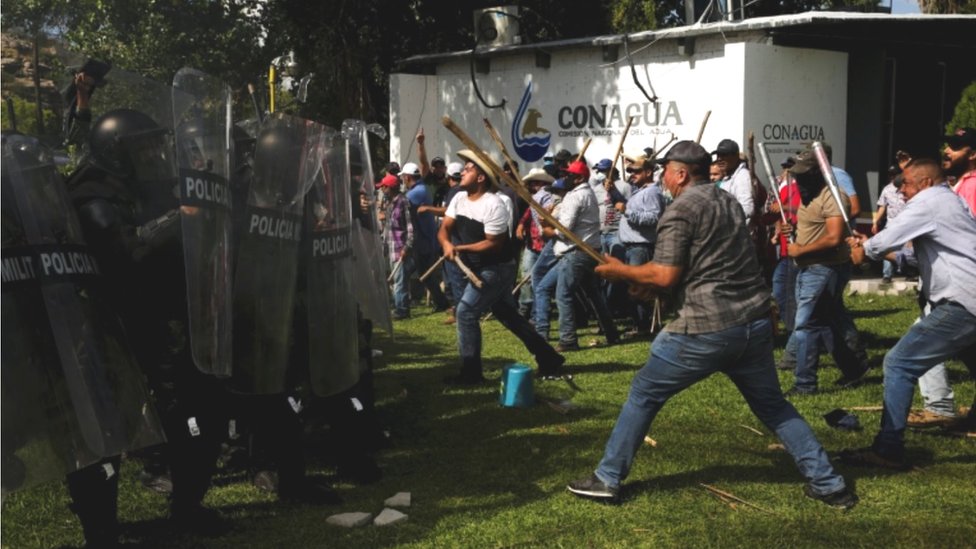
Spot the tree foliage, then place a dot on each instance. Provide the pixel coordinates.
(965, 114)
(947, 6)
(351, 46)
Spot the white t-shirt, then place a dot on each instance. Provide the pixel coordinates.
(473, 219)
(489, 210)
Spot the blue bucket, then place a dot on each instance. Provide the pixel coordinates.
(516, 387)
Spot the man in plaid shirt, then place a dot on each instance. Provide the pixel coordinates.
(400, 241)
(703, 253)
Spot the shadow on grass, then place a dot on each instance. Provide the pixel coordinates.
(875, 313)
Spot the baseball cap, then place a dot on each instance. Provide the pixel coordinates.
(410, 168)
(454, 170)
(389, 180)
(578, 167)
(962, 137)
(725, 146)
(437, 160)
(805, 161)
(559, 184)
(603, 164)
(466, 154)
(688, 152)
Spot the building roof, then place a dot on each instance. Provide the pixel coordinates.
(823, 29)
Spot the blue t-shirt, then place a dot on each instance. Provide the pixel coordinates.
(424, 224)
(844, 181)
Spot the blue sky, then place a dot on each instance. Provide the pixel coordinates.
(904, 6)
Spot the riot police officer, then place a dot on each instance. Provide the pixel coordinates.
(127, 199)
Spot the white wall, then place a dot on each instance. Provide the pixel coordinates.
(795, 96)
(745, 85)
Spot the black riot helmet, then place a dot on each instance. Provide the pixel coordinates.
(123, 140)
(278, 155)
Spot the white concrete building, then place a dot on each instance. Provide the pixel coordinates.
(869, 84)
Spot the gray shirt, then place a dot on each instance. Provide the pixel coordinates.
(704, 232)
(639, 223)
(943, 233)
(579, 213)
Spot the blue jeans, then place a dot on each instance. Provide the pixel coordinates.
(820, 316)
(639, 254)
(495, 295)
(948, 330)
(573, 271)
(525, 299)
(784, 291)
(887, 268)
(615, 292)
(401, 286)
(455, 281)
(745, 354)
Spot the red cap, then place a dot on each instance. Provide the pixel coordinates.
(578, 167)
(389, 180)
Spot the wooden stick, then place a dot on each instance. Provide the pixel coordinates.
(433, 268)
(754, 430)
(583, 150)
(701, 131)
(733, 497)
(658, 151)
(396, 267)
(521, 283)
(516, 185)
(468, 272)
(620, 147)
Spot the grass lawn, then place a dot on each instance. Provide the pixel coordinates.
(486, 476)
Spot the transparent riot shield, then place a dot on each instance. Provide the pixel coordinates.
(287, 157)
(131, 137)
(202, 143)
(369, 261)
(333, 335)
(72, 392)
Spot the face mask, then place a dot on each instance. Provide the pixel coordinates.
(600, 177)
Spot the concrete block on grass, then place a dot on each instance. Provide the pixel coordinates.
(401, 499)
(388, 517)
(350, 520)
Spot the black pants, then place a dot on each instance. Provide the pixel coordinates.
(94, 492)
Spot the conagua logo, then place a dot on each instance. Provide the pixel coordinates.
(531, 141)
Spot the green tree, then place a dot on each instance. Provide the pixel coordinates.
(965, 114)
(947, 6)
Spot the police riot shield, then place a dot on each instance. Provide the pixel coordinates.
(287, 156)
(202, 125)
(131, 137)
(72, 392)
(369, 261)
(333, 335)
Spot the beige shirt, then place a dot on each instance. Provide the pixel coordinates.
(811, 225)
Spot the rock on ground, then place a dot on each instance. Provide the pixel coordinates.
(401, 499)
(350, 520)
(388, 517)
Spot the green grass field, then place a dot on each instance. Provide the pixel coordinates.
(486, 476)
